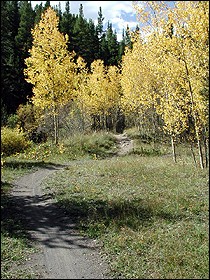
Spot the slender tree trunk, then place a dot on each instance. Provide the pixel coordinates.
(195, 118)
(173, 148)
(200, 154)
(55, 119)
(206, 147)
(83, 120)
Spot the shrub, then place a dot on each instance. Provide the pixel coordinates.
(99, 144)
(13, 141)
(29, 119)
(12, 121)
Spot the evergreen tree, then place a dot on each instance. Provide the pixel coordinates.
(24, 43)
(81, 12)
(24, 38)
(66, 24)
(121, 46)
(84, 39)
(79, 34)
(38, 11)
(67, 7)
(128, 42)
(92, 42)
(104, 51)
(47, 5)
(101, 35)
(112, 45)
(57, 8)
(99, 26)
(9, 72)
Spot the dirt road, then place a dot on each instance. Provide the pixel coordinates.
(64, 254)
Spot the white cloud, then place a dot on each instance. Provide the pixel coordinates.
(119, 13)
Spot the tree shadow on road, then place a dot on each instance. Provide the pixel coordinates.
(31, 164)
(37, 218)
(132, 213)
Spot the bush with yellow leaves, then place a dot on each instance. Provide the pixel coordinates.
(13, 141)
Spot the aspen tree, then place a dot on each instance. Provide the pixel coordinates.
(97, 86)
(89, 87)
(136, 78)
(98, 92)
(189, 48)
(113, 95)
(139, 85)
(50, 67)
(193, 52)
(82, 91)
(177, 39)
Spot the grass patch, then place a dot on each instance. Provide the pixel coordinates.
(93, 146)
(147, 150)
(150, 214)
(90, 146)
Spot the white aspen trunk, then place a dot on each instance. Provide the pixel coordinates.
(173, 148)
(206, 147)
(195, 119)
(200, 154)
(55, 118)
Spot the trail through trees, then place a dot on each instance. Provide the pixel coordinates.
(64, 253)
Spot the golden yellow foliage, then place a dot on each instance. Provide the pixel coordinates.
(98, 91)
(168, 66)
(50, 67)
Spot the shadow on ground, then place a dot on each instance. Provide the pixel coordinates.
(55, 226)
(24, 215)
(31, 164)
(131, 213)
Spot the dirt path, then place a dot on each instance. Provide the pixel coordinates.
(125, 144)
(64, 253)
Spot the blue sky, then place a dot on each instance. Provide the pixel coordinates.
(119, 13)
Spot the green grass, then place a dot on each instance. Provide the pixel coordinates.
(14, 252)
(150, 214)
(90, 146)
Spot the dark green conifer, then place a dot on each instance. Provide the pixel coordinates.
(9, 70)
